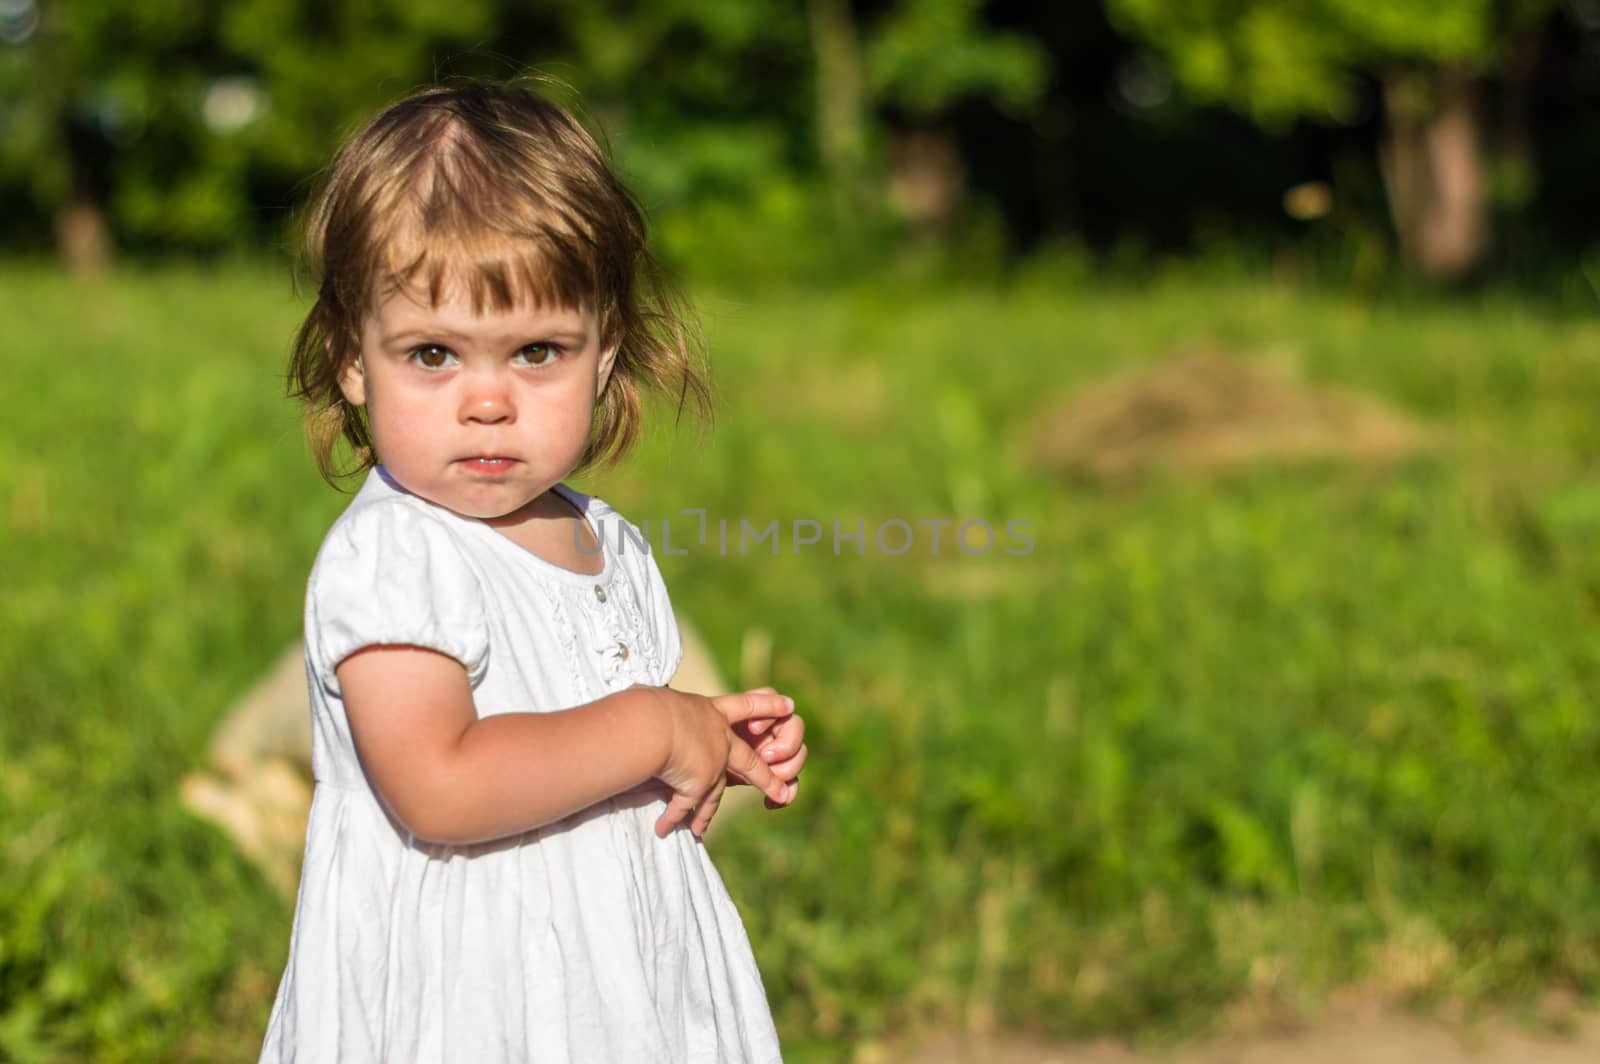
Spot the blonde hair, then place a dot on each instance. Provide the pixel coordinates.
(497, 190)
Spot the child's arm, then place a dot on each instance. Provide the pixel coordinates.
(451, 777)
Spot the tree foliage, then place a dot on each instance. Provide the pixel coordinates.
(197, 125)
(926, 53)
(1430, 58)
(1278, 61)
(190, 126)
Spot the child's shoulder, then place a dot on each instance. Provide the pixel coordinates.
(385, 520)
(383, 502)
(393, 570)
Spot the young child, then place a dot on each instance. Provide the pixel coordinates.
(503, 861)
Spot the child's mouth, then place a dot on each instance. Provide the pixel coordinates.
(489, 465)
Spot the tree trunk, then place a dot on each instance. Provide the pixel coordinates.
(83, 240)
(927, 181)
(83, 235)
(1433, 167)
(841, 125)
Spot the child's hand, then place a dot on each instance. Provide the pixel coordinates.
(780, 741)
(705, 750)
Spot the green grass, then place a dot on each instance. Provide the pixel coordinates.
(1208, 742)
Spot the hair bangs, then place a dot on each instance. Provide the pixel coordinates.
(494, 272)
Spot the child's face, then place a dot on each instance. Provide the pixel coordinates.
(481, 414)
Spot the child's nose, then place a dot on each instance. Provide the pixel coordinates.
(487, 399)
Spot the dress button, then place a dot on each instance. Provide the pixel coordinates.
(622, 652)
(599, 592)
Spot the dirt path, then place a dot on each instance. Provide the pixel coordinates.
(1365, 1036)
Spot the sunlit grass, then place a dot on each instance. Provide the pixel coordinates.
(1245, 738)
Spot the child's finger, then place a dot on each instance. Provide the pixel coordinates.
(790, 730)
(788, 735)
(750, 705)
(790, 768)
(679, 807)
(744, 761)
(705, 811)
(793, 789)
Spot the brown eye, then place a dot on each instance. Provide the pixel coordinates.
(538, 354)
(432, 356)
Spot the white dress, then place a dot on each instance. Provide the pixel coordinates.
(589, 939)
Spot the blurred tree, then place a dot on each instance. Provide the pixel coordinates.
(697, 96)
(924, 55)
(897, 70)
(841, 102)
(176, 125)
(101, 97)
(924, 58)
(166, 122)
(327, 66)
(1278, 61)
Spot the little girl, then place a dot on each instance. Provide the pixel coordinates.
(496, 867)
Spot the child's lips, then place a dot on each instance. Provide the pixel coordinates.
(487, 463)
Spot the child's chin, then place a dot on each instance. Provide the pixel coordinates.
(479, 509)
(482, 512)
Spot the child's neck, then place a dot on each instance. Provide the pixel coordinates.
(552, 528)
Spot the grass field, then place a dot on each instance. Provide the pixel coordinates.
(1211, 745)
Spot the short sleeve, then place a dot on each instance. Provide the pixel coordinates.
(389, 574)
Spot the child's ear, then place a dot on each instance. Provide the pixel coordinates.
(608, 357)
(353, 381)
